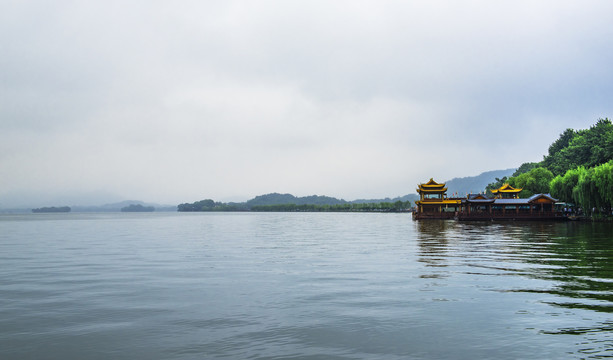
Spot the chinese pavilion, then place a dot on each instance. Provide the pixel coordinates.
(506, 191)
(433, 202)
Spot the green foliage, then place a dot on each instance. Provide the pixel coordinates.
(594, 188)
(52, 209)
(589, 148)
(603, 182)
(535, 181)
(397, 206)
(524, 168)
(576, 169)
(562, 186)
(201, 205)
(309, 203)
(137, 208)
(588, 187)
(283, 199)
(497, 184)
(210, 205)
(581, 192)
(560, 144)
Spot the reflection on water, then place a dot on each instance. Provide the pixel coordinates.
(567, 266)
(433, 242)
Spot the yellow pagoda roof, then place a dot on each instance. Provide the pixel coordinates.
(506, 188)
(432, 184)
(438, 202)
(431, 190)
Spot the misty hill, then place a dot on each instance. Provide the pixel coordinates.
(122, 204)
(475, 184)
(52, 209)
(137, 208)
(282, 199)
(409, 197)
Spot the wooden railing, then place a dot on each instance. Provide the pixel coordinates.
(433, 215)
(495, 215)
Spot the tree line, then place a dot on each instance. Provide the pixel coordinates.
(578, 169)
(398, 206)
(137, 208)
(52, 209)
(211, 205)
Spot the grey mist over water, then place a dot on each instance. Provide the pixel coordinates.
(301, 286)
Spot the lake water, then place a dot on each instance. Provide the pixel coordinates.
(302, 286)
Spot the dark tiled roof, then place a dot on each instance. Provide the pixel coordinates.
(474, 196)
(480, 201)
(536, 196)
(523, 201)
(511, 202)
(472, 199)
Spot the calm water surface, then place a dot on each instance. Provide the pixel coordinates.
(301, 286)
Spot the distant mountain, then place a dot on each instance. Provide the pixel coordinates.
(475, 184)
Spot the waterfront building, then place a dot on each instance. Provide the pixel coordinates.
(506, 205)
(433, 202)
(536, 207)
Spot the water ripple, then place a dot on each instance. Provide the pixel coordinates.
(302, 286)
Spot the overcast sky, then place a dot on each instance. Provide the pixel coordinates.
(177, 101)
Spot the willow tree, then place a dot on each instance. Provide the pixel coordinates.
(562, 186)
(594, 187)
(603, 182)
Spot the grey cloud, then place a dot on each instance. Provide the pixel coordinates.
(217, 99)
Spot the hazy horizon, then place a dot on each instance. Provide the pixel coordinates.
(100, 198)
(175, 102)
